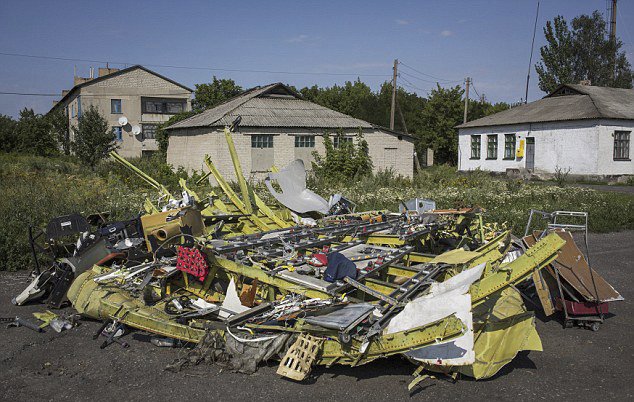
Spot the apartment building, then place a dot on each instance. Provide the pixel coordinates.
(134, 100)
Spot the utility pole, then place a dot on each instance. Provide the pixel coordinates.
(393, 94)
(466, 99)
(613, 37)
(613, 22)
(530, 59)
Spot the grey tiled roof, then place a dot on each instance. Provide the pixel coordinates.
(568, 102)
(274, 105)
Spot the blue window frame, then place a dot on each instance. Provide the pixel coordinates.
(118, 133)
(79, 107)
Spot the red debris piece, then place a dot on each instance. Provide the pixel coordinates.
(192, 261)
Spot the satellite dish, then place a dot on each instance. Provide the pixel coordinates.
(123, 121)
(136, 130)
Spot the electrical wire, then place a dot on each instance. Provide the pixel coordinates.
(415, 77)
(203, 68)
(474, 89)
(409, 83)
(427, 75)
(83, 95)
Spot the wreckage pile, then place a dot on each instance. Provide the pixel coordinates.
(313, 282)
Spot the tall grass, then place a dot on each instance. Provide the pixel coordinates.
(504, 200)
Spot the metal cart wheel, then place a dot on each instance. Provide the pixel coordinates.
(595, 326)
(568, 323)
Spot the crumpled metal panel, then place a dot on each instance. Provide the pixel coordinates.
(295, 195)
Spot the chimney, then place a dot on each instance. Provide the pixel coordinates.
(65, 92)
(92, 73)
(80, 80)
(585, 82)
(107, 71)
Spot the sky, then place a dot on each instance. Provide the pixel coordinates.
(300, 43)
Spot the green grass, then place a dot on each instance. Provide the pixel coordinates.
(36, 189)
(506, 201)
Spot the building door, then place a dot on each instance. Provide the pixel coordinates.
(530, 154)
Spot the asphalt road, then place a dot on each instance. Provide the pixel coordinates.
(575, 364)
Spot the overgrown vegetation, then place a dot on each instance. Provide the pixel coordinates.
(505, 201)
(36, 189)
(349, 160)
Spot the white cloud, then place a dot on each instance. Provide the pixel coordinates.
(446, 33)
(297, 39)
(402, 22)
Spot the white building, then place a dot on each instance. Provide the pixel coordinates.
(586, 129)
(277, 127)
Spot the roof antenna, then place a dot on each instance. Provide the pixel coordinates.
(530, 60)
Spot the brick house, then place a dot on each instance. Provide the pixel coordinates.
(277, 127)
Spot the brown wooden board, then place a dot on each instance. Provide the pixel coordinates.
(543, 292)
(574, 270)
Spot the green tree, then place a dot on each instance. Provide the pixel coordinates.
(349, 160)
(162, 135)
(482, 108)
(8, 134)
(442, 112)
(34, 134)
(582, 53)
(94, 138)
(58, 120)
(209, 95)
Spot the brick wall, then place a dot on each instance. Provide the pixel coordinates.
(187, 148)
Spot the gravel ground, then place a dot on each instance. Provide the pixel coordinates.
(576, 363)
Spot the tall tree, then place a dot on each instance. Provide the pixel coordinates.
(217, 91)
(34, 134)
(584, 52)
(442, 113)
(94, 138)
(58, 120)
(8, 134)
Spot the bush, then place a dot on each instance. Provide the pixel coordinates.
(350, 160)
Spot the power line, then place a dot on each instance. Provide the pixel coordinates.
(409, 83)
(27, 94)
(474, 89)
(83, 95)
(428, 75)
(415, 77)
(233, 70)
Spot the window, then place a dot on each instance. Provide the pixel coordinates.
(509, 146)
(261, 141)
(492, 146)
(622, 145)
(115, 106)
(163, 105)
(338, 140)
(149, 131)
(475, 146)
(118, 133)
(72, 110)
(304, 141)
(79, 107)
